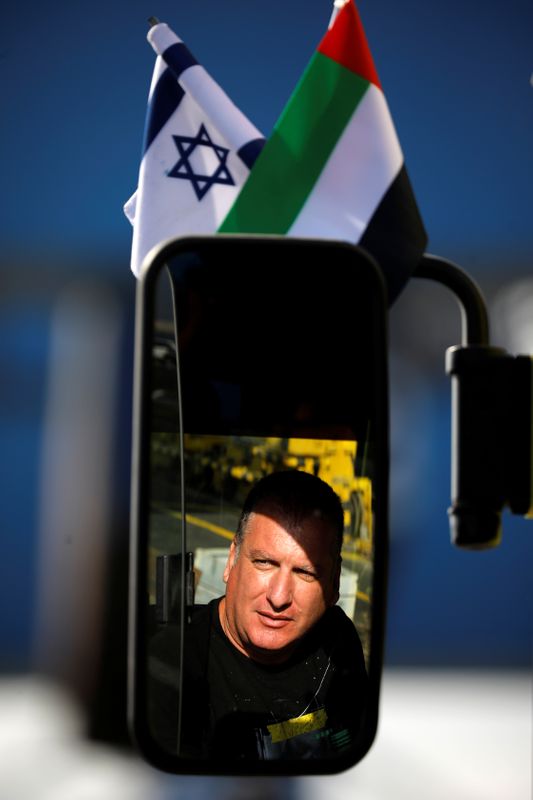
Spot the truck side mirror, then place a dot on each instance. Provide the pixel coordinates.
(249, 362)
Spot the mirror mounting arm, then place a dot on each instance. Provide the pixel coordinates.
(492, 430)
(474, 314)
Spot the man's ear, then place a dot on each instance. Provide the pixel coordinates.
(336, 581)
(230, 562)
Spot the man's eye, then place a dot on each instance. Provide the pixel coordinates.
(262, 563)
(307, 575)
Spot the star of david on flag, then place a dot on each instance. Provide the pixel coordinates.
(198, 151)
(185, 167)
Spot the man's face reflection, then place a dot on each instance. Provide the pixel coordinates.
(278, 584)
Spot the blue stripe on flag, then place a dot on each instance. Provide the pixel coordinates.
(248, 152)
(165, 99)
(179, 58)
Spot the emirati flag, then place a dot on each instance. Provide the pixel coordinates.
(333, 166)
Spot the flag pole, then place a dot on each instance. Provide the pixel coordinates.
(337, 5)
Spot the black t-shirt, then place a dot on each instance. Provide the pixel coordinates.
(311, 706)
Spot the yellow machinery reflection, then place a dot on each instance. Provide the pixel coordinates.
(220, 470)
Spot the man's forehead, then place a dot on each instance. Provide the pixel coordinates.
(311, 528)
(291, 519)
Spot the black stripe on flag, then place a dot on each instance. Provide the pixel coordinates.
(395, 235)
(166, 97)
(248, 152)
(179, 58)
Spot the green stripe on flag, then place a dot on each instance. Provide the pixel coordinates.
(293, 158)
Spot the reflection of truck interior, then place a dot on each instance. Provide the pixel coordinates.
(240, 462)
(220, 470)
(233, 466)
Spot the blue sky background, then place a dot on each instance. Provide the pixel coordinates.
(74, 83)
(75, 78)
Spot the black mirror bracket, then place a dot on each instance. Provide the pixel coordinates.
(492, 431)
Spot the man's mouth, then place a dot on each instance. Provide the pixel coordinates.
(274, 620)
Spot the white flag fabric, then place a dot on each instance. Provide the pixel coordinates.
(198, 151)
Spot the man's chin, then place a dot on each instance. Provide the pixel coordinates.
(271, 651)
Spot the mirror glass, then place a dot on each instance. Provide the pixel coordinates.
(258, 357)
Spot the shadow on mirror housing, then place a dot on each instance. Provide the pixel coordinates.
(257, 356)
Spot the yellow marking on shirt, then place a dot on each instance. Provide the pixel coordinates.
(281, 731)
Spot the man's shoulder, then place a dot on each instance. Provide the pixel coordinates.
(338, 614)
(198, 632)
(337, 621)
(203, 612)
(339, 635)
(202, 618)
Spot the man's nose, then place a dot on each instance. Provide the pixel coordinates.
(279, 592)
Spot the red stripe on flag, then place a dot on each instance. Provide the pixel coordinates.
(345, 42)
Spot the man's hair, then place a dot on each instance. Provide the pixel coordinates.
(296, 496)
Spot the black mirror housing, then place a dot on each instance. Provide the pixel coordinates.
(250, 361)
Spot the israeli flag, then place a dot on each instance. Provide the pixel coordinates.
(198, 151)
